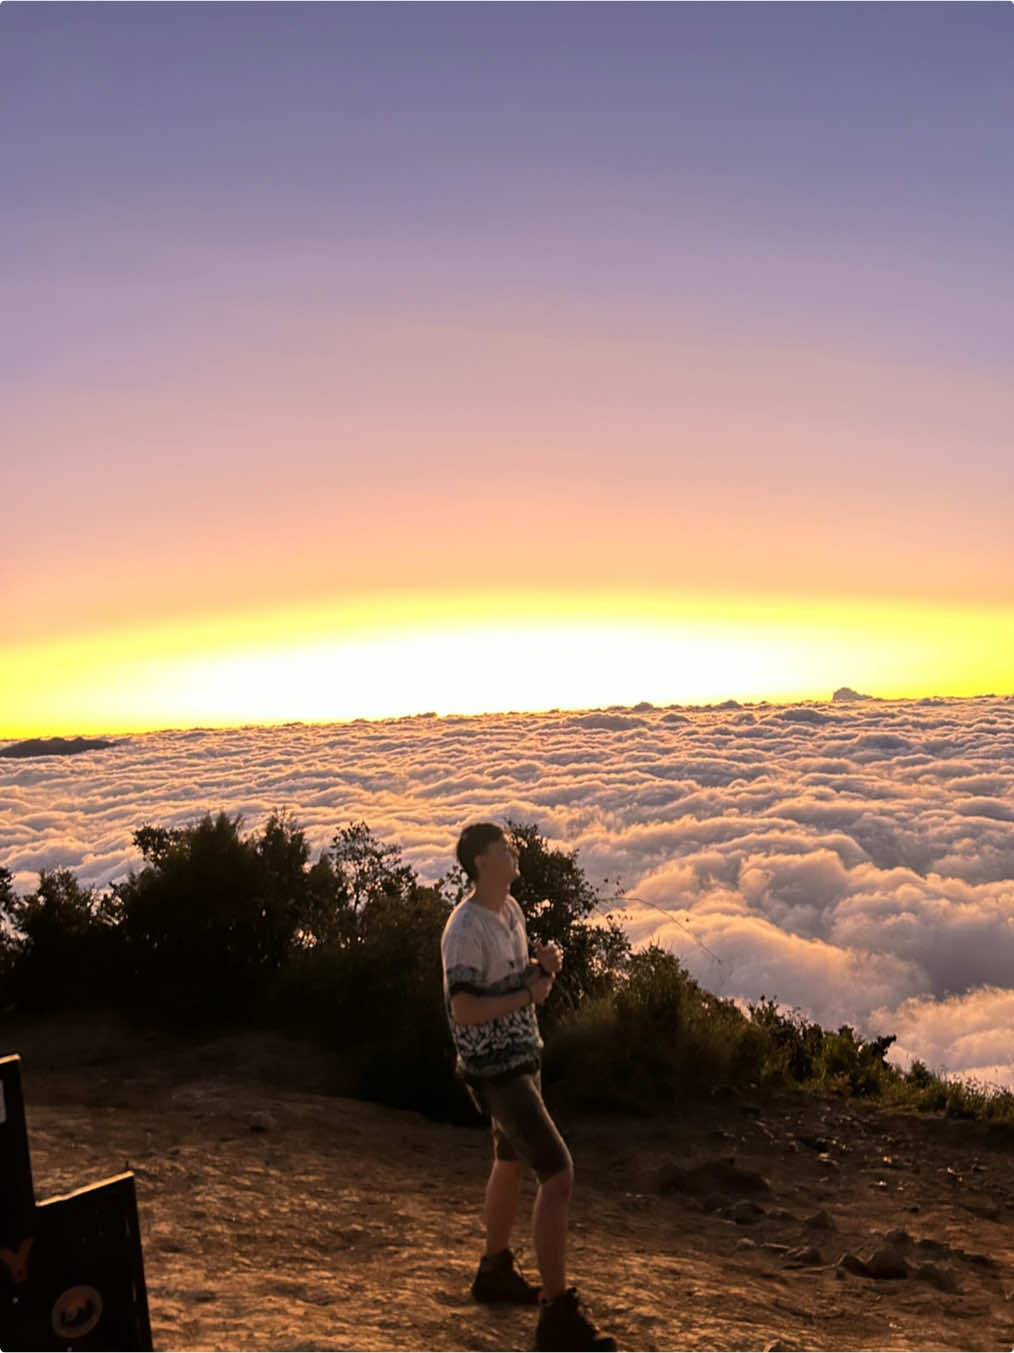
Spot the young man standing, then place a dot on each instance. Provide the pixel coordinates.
(491, 989)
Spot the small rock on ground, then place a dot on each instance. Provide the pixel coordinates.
(745, 1212)
(887, 1262)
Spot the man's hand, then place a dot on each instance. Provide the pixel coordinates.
(541, 985)
(549, 956)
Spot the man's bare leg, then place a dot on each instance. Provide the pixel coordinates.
(549, 1228)
(503, 1189)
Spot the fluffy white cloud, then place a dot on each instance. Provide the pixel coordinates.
(968, 1034)
(852, 859)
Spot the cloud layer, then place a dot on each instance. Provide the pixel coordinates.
(856, 861)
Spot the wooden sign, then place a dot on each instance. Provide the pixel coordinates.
(71, 1269)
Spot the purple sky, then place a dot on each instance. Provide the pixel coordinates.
(285, 281)
(832, 173)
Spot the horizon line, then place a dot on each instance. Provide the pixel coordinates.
(641, 706)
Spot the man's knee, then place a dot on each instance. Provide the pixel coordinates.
(506, 1167)
(560, 1185)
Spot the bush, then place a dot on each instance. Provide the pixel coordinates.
(653, 1041)
(366, 977)
(792, 1044)
(919, 1075)
(799, 1052)
(203, 926)
(558, 904)
(377, 998)
(57, 948)
(928, 1092)
(850, 1065)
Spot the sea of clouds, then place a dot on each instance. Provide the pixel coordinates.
(854, 860)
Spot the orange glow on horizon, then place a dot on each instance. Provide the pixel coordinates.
(380, 656)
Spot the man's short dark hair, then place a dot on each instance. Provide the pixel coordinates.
(473, 841)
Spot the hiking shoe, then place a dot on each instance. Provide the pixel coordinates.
(564, 1327)
(500, 1279)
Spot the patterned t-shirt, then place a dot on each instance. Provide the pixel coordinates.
(486, 953)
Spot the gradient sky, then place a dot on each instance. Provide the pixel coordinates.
(672, 342)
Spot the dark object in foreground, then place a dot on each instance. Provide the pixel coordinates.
(71, 1270)
(565, 1326)
(55, 746)
(500, 1280)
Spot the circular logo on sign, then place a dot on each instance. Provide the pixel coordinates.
(76, 1312)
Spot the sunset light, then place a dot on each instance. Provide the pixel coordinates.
(468, 654)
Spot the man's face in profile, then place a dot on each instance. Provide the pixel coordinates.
(498, 863)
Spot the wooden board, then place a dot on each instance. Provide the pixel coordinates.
(71, 1269)
(76, 1278)
(16, 1193)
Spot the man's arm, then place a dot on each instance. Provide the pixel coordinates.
(467, 1008)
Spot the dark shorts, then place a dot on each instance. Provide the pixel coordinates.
(522, 1127)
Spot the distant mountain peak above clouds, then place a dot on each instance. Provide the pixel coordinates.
(845, 693)
(55, 746)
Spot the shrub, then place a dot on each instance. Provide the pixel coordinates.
(792, 1044)
(368, 982)
(850, 1065)
(211, 916)
(57, 946)
(929, 1092)
(919, 1075)
(558, 904)
(656, 1039)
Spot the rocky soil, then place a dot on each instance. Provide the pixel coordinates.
(276, 1215)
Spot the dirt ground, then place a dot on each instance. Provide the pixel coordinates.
(275, 1215)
